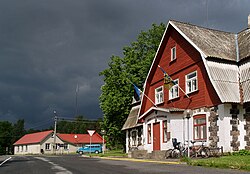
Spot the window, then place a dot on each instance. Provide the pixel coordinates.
(65, 146)
(173, 53)
(140, 136)
(159, 95)
(17, 148)
(26, 148)
(174, 90)
(165, 131)
(134, 138)
(21, 148)
(47, 146)
(191, 82)
(149, 134)
(58, 146)
(200, 127)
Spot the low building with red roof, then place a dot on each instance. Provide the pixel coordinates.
(43, 143)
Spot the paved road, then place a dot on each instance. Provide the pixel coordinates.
(77, 165)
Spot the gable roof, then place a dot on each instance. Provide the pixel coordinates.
(80, 138)
(33, 138)
(212, 43)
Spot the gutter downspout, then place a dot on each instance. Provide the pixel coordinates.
(237, 60)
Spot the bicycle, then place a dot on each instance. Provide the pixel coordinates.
(178, 150)
(199, 151)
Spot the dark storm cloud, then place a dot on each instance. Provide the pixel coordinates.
(47, 47)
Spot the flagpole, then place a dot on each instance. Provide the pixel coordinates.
(183, 91)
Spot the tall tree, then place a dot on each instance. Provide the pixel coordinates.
(117, 91)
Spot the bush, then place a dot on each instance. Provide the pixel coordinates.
(242, 152)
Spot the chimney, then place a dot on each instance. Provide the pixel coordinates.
(249, 21)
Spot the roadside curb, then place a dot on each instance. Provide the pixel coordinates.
(142, 160)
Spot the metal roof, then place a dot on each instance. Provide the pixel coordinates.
(225, 78)
(132, 118)
(245, 81)
(33, 138)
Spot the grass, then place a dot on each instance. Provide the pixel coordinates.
(232, 162)
(111, 153)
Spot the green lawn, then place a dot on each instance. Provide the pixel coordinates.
(233, 162)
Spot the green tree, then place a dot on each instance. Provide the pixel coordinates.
(117, 91)
(5, 136)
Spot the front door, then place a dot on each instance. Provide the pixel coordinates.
(156, 136)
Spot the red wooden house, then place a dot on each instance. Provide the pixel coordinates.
(211, 74)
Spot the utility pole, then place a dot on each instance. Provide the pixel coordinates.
(54, 143)
(77, 90)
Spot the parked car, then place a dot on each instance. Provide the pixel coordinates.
(94, 148)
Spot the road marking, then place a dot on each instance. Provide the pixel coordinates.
(61, 170)
(142, 160)
(5, 161)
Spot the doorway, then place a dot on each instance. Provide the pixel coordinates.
(156, 136)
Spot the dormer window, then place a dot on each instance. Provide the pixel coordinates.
(173, 53)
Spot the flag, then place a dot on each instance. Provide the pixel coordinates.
(168, 82)
(137, 93)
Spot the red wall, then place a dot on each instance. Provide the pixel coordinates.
(188, 60)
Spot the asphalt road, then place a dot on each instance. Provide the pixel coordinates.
(79, 165)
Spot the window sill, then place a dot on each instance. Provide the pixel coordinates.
(172, 61)
(159, 103)
(192, 92)
(176, 98)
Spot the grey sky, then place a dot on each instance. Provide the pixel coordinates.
(48, 46)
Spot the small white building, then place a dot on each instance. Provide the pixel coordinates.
(43, 143)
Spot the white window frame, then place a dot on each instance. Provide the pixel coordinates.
(159, 95)
(193, 82)
(66, 146)
(173, 53)
(174, 90)
(47, 146)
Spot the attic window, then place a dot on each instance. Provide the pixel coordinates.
(173, 53)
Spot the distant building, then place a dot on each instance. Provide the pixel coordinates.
(43, 143)
(211, 74)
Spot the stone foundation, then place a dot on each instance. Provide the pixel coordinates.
(247, 129)
(213, 128)
(235, 143)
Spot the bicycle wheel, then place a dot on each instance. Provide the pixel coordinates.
(204, 152)
(168, 153)
(176, 154)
